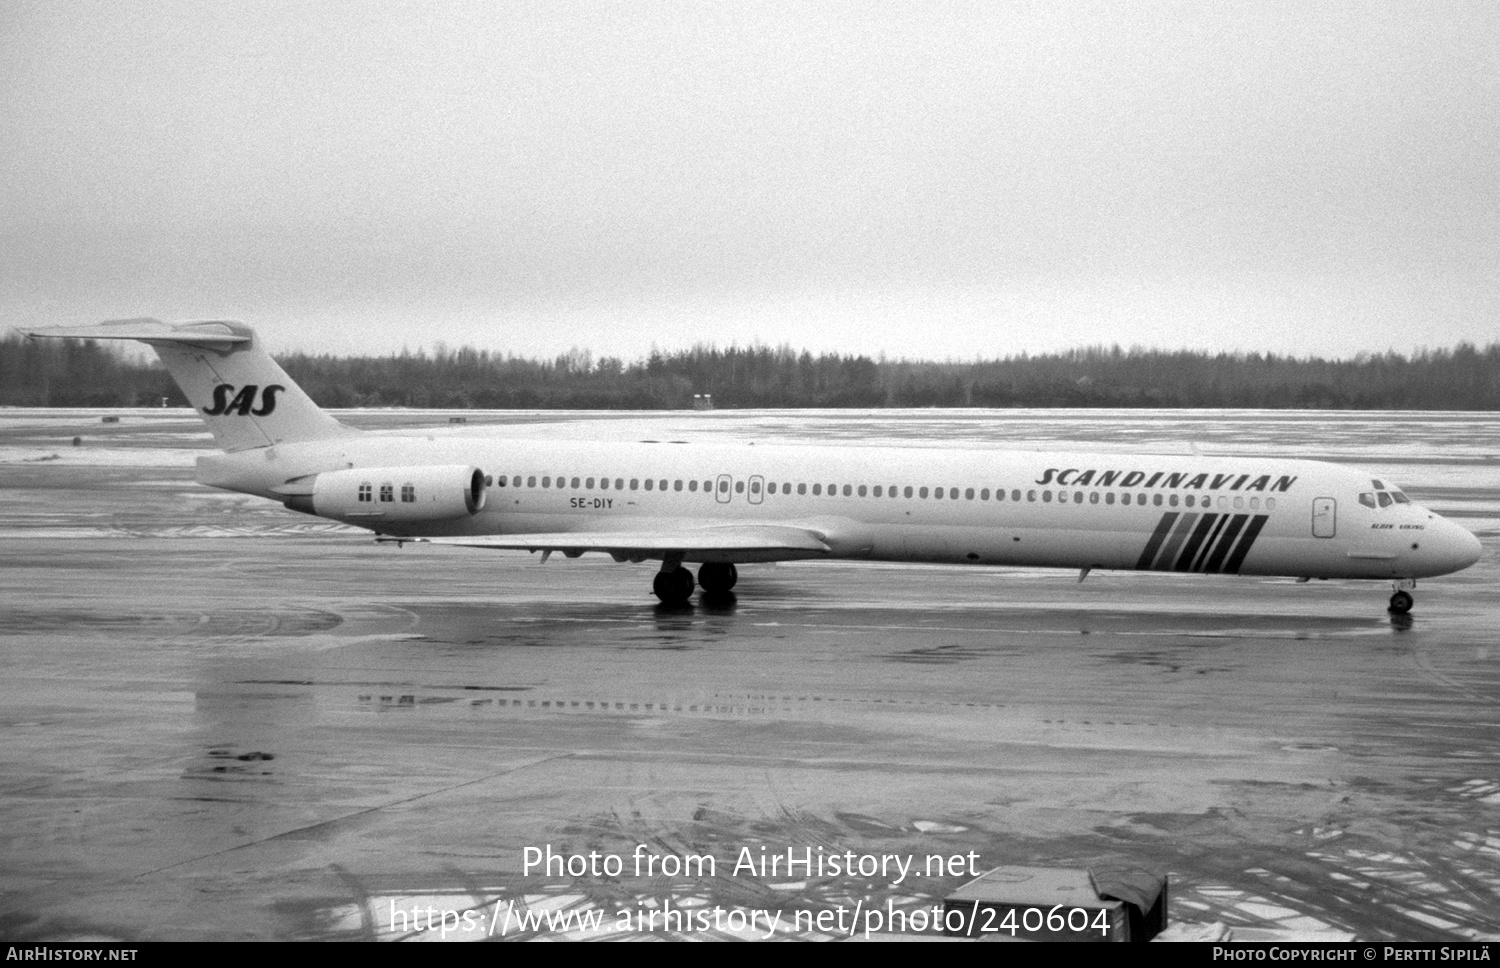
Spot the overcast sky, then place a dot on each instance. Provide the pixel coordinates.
(917, 179)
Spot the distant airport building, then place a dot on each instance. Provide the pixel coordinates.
(703, 401)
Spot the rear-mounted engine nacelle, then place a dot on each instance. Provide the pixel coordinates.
(391, 493)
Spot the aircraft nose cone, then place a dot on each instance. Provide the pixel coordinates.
(1467, 549)
(1456, 548)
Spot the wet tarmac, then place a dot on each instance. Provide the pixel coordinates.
(221, 720)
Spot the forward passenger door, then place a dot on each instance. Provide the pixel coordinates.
(1324, 517)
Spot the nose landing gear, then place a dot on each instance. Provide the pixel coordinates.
(1401, 600)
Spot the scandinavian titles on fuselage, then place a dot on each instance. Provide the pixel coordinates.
(1075, 477)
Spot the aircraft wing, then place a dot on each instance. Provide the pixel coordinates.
(764, 542)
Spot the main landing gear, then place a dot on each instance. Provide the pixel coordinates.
(674, 583)
(1401, 601)
(673, 587)
(717, 578)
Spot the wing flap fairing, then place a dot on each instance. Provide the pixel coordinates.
(743, 542)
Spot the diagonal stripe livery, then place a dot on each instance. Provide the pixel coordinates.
(1157, 537)
(1174, 541)
(1237, 557)
(1232, 528)
(1190, 550)
(1210, 543)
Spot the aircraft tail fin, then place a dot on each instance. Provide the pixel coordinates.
(243, 395)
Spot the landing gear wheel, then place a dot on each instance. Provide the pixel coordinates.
(715, 578)
(673, 587)
(1401, 603)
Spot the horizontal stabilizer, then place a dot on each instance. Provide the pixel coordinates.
(149, 331)
(246, 399)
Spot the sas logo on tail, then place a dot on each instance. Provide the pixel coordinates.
(243, 403)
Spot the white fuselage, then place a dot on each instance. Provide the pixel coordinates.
(1261, 516)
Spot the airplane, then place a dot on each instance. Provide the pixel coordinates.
(717, 506)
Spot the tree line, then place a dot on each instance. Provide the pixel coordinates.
(68, 373)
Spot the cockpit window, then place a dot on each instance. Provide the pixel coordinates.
(1367, 499)
(1378, 486)
(1385, 499)
(1400, 498)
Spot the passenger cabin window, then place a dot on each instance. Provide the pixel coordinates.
(388, 492)
(408, 494)
(365, 492)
